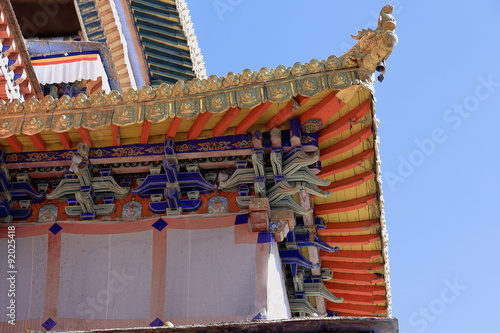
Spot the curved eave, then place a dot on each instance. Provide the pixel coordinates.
(331, 97)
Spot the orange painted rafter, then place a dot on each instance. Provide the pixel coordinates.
(346, 144)
(351, 240)
(344, 122)
(302, 100)
(15, 144)
(115, 134)
(361, 310)
(198, 125)
(362, 300)
(38, 141)
(225, 121)
(324, 110)
(349, 182)
(343, 288)
(146, 127)
(354, 267)
(345, 206)
(86, 138)
(252, 117)
(357, 256)
(280, 117)
(363, 279)
(65, 140)
(349, 226)
(347, 164)
(174, 126)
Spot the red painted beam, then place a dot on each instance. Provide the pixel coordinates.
(349, 226)
(86, 138)
(225, 121)
(302, 99)
(324, 110)
(198, 125)
(341, 288)
(351, 240)
(347, 164)
(174, 126)
(344, 122)
(252, 117)
(354, 267)
(349, 182)
(362, 300)
(15, 144)
(282, 116)
(65, 140)
(146, 127)
(38, 141)
(344, 206)
(354, 309)
(362, 279)
(115, 134)
(346, 144)
(345, 255)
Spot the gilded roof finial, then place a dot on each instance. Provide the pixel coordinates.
(385, 20)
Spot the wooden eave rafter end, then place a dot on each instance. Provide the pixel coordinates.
(198, 125)
(252, 117)
(85, 135)
(38, 141)
(226, 121)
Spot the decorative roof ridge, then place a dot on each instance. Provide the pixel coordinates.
(373, 47)
(214, 94)
(181, 90)
(192, 41)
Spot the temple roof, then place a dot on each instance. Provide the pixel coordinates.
(332, 98)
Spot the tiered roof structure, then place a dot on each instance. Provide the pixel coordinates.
(290, 152)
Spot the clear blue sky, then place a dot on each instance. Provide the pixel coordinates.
(439, 134)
